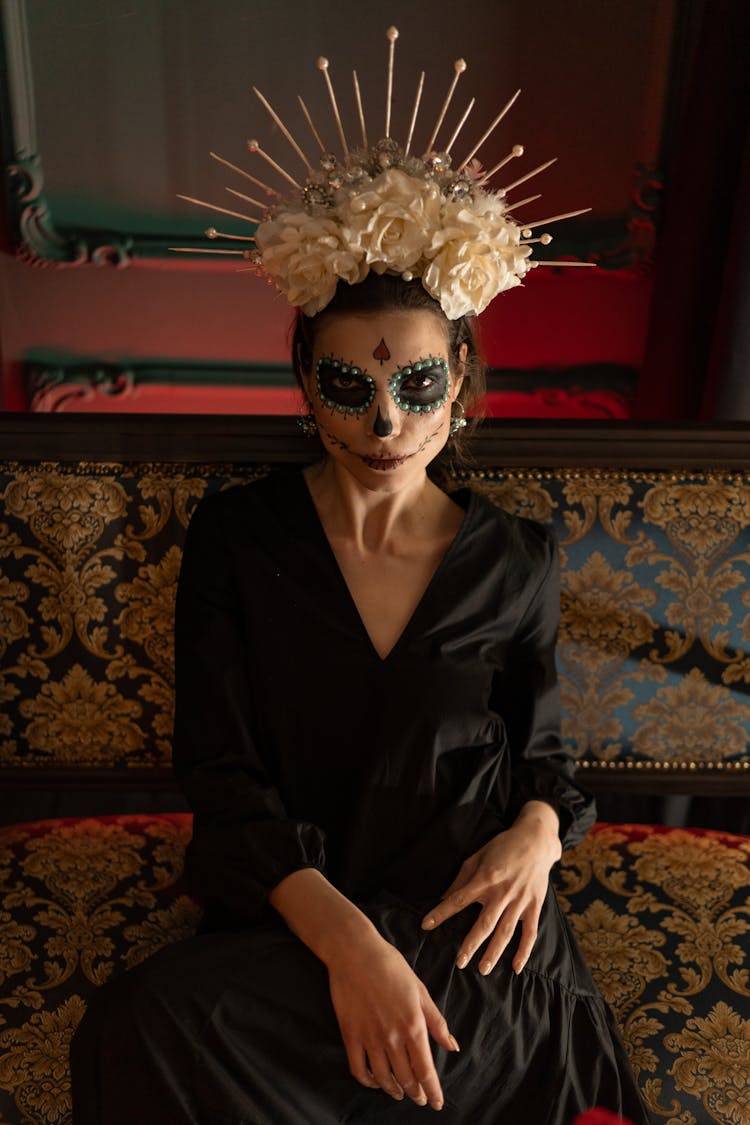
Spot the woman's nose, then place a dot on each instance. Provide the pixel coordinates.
(382, 426)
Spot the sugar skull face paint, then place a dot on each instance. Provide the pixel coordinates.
(421, 387)
(383, 419)
(344, 387)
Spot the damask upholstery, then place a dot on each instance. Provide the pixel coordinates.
(655, 627)
(654, 668)
(658, 913)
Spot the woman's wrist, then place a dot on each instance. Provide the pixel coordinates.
(328, 923)
(540, 819)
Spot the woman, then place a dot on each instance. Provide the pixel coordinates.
(367, 721)
(367, 731)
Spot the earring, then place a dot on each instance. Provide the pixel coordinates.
(306, 422)
(457, 421)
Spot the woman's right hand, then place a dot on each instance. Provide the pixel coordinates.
(386, 1016)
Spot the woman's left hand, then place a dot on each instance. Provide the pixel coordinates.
(509, 876)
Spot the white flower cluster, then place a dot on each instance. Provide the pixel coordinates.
(456, 237)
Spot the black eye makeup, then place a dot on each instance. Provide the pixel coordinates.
(343, 387)
(422, 386)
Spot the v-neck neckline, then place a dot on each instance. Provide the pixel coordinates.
(317, 522)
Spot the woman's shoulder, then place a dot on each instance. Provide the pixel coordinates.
(514, 534)
(268, 493)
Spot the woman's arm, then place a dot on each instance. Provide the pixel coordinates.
(384, 1011)
(243, 841)
(509, 875)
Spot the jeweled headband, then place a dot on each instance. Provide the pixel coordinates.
(381, 207)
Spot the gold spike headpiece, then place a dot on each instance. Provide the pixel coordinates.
(380, 207)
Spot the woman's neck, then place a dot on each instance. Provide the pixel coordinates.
(374, 521)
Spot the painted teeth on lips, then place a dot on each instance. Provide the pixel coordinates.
(384, 463)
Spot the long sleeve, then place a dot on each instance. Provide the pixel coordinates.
(243, 842)
(526, 695)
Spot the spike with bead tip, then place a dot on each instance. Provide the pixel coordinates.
(242, 172)
(535, 264)
(275, 117)
(360, 111)
(460, 125)
(415, 111)
(515, 152)
(528, 176)
(392, 36)
(323, 68)
(207, 250)
(212, 232)
(221, 210)
(491, 128)
(253, 146)
(459, 67)
(552, 219)
(311, 123)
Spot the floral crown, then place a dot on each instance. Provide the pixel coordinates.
(381, 207)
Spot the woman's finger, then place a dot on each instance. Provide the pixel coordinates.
(482, 929)
(381, 1071)
(437, 1025)
(404, 1073)
(528, 939)
(355, 1053)
(451, 905)
(423, 1066)
(504, 931)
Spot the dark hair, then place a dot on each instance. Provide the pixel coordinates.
(390, 293)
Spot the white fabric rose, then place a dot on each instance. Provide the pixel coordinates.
(306, 257)
(475, 254)
(392, 222)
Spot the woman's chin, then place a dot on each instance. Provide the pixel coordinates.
(386, 474)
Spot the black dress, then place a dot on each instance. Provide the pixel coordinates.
(298, 746)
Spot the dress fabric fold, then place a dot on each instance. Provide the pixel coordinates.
(297, 746)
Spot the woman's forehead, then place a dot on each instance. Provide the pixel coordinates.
(401, 334)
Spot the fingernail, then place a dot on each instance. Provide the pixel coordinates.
(519, 967)
(462, 961)
(454, 1043)
(436, 1105)
(428, 923)
(421, 1100)
(485, 968)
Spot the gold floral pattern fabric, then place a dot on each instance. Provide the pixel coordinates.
(89, 561)
(661, 916)
(654, 649)
(80, 900)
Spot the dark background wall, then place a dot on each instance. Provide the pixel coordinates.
(128, 96)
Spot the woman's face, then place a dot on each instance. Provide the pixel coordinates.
(381, 387)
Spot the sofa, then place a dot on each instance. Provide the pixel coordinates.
(654, 662)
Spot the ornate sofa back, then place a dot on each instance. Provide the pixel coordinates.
(654, 652)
